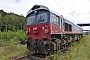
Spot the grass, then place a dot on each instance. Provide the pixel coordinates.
(78, 51)
(12, 50)
(10, 46)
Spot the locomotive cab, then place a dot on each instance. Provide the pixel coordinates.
(37, 24)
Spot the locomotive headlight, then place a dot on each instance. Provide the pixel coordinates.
(46, 31)
(35, 28)
(27, 30)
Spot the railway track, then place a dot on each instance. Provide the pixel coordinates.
(35, 57)
(32, 57)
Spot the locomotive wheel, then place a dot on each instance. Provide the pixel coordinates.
(30, 45)
(58, 42)
(64, 45)
(59, 46)
(56, 45)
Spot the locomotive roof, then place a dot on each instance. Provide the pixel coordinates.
(37, 7)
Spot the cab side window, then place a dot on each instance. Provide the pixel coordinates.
(54, 19)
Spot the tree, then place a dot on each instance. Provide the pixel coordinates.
(12, 21)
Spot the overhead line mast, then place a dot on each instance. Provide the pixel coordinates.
(74, 8)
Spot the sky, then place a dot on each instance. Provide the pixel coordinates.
(77, 11)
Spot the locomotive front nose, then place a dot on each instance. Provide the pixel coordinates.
(41, 47)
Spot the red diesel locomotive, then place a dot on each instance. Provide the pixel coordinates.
(47, 31)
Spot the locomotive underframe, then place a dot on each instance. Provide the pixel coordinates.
(57, 43)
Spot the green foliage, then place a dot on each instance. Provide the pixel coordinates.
(78, 51)
(11, 21)
(11, 33)
(12, 50)
(15, 36)
(10, 46)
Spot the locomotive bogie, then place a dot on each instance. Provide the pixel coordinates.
(40, 46)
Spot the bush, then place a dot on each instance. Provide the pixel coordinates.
(7, 36)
